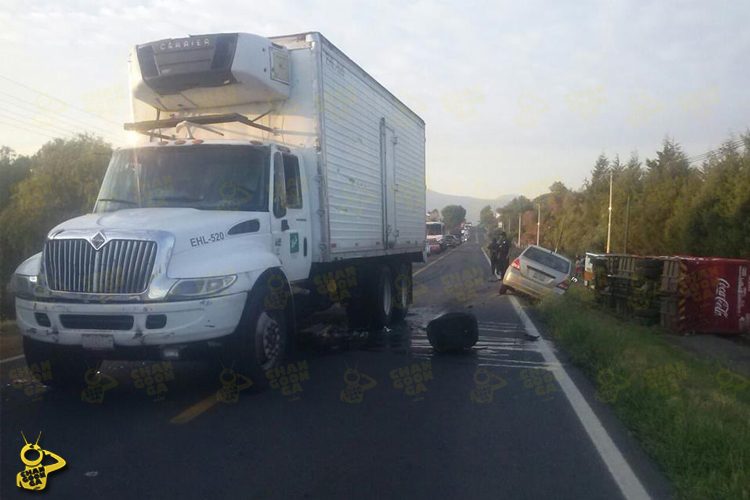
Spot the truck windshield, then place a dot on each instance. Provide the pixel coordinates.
(434, 229)
(206, 177)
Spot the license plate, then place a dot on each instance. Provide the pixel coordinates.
(539, 277)
(97, 341)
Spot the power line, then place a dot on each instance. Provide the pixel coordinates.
(704, 156)
(8, 115)
(29, 105)
(23, 85)
(15, 125)
(53, 127)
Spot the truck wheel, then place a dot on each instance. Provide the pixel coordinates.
(67, 365)
(263, 333)
(402, 289)
(383, 298)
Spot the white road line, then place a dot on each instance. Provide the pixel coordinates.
(626, 480)
(8, 360)
(623, 475)
(433, 262)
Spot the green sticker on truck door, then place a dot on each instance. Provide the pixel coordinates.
(293, 242)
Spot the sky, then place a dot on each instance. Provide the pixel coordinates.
(515, 95)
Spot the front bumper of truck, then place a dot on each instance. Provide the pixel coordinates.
(130, 325)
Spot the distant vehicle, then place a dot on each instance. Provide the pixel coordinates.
(436, 233)
(452, 241)
(538, 272)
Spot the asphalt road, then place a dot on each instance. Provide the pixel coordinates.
(357, 416)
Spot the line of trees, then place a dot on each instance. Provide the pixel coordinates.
(37, 192)
(667, 205)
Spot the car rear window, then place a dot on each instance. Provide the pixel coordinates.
(547, 259)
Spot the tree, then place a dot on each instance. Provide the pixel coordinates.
(453, 216)
(62, 182)
(487, 218)
(13, 169)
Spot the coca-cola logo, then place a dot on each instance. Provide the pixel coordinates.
(721, 305)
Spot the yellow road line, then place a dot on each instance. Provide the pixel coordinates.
(194, 411)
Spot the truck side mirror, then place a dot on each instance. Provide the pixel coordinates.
(279, 187)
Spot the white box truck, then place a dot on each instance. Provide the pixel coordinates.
(273, 177)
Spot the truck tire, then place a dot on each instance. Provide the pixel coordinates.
(67, 365)
(263, 334)
(382, 298)
(402, 291)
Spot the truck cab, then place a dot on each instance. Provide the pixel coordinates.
(141, 272)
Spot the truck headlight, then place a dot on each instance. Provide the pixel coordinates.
(201, 287)
(24, 286)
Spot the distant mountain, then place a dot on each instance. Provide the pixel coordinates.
(472, 205)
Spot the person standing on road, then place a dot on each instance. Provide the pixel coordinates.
(494, 249)
(503, 254)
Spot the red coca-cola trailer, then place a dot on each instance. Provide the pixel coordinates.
(711, 294)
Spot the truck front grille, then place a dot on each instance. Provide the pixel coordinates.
(120, 266)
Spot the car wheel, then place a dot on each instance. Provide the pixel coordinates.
(383, 298)
(402, 289)
(263, 332)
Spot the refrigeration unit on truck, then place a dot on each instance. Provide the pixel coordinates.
(273, 177)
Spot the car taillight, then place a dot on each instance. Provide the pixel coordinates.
(516, 264)
(563, 285)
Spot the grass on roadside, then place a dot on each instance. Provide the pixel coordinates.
(692, 416)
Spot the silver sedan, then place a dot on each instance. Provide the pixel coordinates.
(538, 272)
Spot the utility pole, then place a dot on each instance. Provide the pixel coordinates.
(559, 236)
(609, 224)
(627, 225)
(538, 222)
(519, 230)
